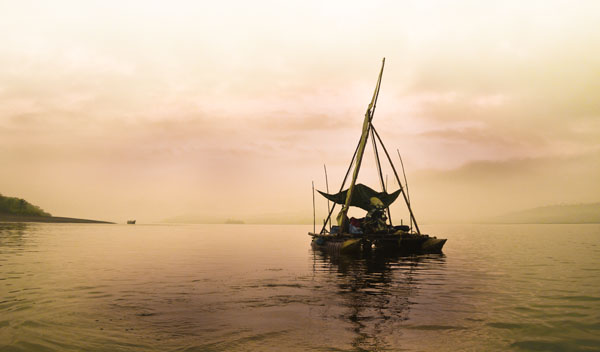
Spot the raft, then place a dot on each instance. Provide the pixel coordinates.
(400, 242)
(375, 229)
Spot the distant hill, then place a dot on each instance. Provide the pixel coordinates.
(553, 214)
(19, 207)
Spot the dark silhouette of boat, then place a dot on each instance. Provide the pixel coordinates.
(131, 222)
(375, 230)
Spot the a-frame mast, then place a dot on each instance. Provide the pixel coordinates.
(412, 216)
(342, 217)
(368, 127)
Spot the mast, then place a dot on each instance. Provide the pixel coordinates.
(412, 216)
(378, 163)
(342, 217)
(314, 213)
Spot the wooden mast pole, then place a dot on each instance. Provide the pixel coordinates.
(342, 186)
(342, 217)
(378, 162)
(327, 188)
(314, 212)
(397, 179)
(405, 182)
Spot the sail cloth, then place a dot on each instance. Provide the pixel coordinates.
(361, 197)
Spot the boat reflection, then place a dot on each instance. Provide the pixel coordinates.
(375, 291)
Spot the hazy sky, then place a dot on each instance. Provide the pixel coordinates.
(139, 109)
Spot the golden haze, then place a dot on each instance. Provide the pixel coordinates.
(112, 110)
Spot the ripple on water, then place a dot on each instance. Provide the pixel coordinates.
(180, 288)
(557, 345)
(435, 327)
(509, 326)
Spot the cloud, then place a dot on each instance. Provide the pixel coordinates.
(162, 108)
(487, 188)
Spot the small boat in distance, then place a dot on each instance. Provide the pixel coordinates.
(375, 230)
(131, 222)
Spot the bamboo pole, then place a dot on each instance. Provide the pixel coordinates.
(314, 212)
(378, 163)
(327, 188)
(342, 217)
(397, 179)
(405, 182)
(343, 183)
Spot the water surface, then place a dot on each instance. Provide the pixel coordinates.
(71, 287)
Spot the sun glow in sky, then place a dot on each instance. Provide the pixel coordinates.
(148, 109)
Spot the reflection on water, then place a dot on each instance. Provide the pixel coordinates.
(85, 287)
(375, 289)
(11, 235)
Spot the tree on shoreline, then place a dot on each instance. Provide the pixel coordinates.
(18, 206)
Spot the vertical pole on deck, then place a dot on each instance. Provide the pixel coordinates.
(328, 208)
(405, 183)
(342, 186)
(314, 212)
(378, 162)
(402, 191)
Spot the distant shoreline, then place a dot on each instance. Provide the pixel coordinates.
(49, 219)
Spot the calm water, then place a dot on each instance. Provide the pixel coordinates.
(244, 287)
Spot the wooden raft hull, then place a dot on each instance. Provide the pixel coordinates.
(349, 245)
(401, 243)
